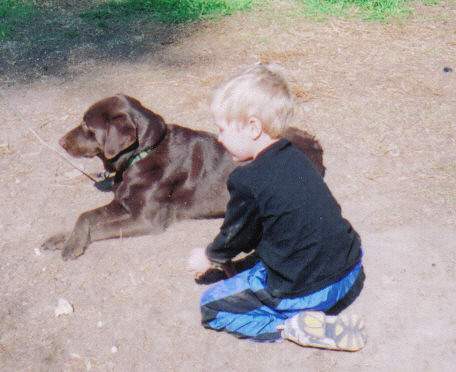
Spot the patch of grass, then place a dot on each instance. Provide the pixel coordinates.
(379, 10)
(14, 13)
(71, 34)
(170, 11)
(47, 37)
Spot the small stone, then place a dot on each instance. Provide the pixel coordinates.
(63, 308)
(394, 150)
(307, 85)
(433, 264)
(37, 251)
(99, 324)
(114, 349)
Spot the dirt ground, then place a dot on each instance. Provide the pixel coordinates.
(377, 98)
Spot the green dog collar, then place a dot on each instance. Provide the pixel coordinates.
(139, 156)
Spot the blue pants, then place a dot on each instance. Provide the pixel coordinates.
(242, 306)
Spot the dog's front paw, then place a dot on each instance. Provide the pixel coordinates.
(72, 251)
(55, 242)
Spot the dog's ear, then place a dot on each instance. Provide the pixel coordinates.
(120, 134)
(151, 127)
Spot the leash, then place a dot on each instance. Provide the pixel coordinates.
(63, 156)
(107, 182)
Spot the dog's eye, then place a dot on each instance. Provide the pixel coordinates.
(87, 132)
(118, 117)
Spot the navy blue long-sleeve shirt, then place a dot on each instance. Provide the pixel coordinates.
(281, 207)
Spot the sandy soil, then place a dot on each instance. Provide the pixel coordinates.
(377, 98)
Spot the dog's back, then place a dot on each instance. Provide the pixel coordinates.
(309, 145)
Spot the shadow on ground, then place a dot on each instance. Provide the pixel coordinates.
(56, 37)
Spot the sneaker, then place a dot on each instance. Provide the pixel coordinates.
(315, 329)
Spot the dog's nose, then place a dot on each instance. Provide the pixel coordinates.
(62, 142)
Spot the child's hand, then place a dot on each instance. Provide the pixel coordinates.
(206, 271)
(198, 262)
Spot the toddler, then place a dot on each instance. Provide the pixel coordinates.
(280, 207)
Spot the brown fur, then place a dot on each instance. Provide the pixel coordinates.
(183, 177)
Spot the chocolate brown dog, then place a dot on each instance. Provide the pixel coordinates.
(164, 172)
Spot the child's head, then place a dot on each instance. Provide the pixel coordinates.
(258, 97)
(259, 91)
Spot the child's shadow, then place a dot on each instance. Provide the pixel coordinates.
(247, 262)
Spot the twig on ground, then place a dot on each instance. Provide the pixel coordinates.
(63, 156)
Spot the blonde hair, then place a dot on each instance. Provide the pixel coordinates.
(260, 91)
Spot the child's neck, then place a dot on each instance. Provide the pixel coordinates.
(262, 142)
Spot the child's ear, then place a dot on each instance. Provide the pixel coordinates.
(255, 127)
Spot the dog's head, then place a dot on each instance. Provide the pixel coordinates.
(111, 126)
